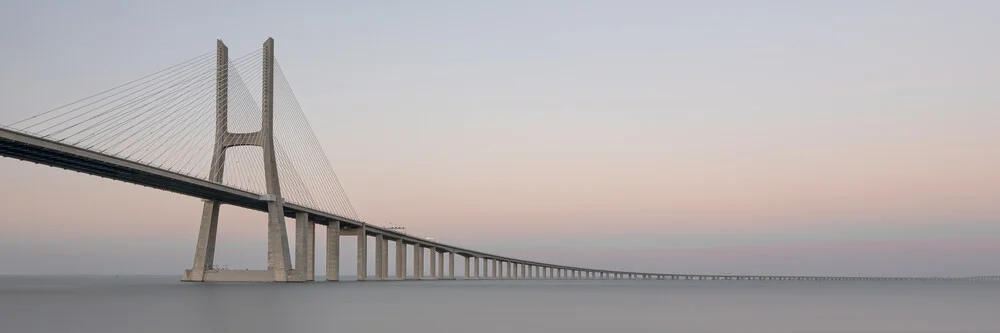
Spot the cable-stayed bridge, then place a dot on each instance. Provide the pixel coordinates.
(230, 131)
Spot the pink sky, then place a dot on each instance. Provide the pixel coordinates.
(655, 135)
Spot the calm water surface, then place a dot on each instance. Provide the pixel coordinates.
(162, 304)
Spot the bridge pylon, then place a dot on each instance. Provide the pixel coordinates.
(279, 262)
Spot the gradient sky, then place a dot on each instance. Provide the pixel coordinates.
(791, 137)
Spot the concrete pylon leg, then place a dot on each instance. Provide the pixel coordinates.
(277, 235)
(279, 258)
(204, 252)
(333, 251)
(475, 266)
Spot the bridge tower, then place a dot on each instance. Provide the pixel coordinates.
(278, 257)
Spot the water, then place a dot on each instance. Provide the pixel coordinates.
(162, 304)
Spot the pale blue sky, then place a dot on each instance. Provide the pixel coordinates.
(732, 132)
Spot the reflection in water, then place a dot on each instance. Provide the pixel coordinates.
(161, 304)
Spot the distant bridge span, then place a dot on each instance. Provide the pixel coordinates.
(73, 155)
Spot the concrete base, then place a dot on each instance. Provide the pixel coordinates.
(236, 276)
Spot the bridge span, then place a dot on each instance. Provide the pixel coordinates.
(81, 156)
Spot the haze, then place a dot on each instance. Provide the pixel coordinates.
(778, 137)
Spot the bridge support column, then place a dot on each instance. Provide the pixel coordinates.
(433, 258)
(475, 267)
(204, 252)
(440, 268)
(304, 247)
(496, 275)
(451, 266)
(418, 262)
(333, 251)
(379, 259)
(467, 270)
(362, 253)
(385, 258)
(400, 260)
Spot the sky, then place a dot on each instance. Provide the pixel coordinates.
(770, 137)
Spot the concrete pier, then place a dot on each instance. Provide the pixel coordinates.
(440, 267)
(432, 272)
(418, 262)
(451, 266)
(303, 257)
(475, 266)
(333, 251)
(400, 260)
(468, 270)
(379, 258)
(362, 253)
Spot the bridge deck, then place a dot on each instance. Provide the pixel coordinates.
(52, 153)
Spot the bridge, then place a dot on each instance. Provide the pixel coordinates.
(172, 131)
